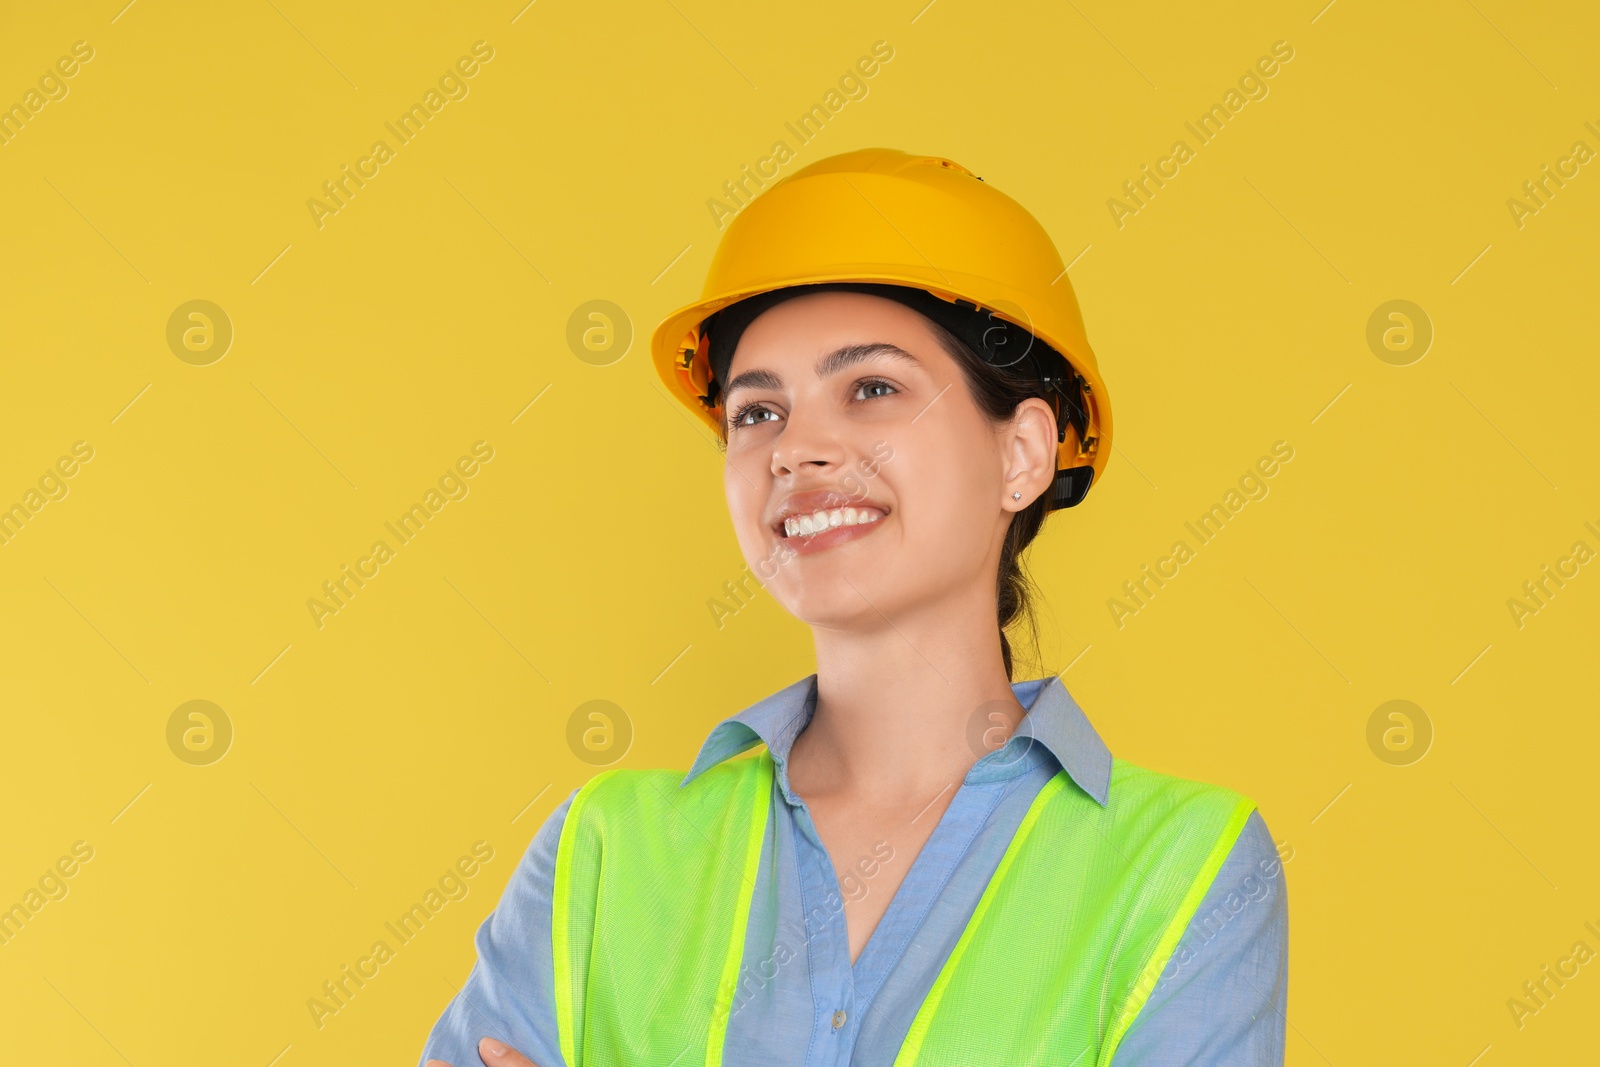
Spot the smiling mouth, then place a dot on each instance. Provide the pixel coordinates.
(815, 522)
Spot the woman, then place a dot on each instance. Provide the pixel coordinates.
(929, 862)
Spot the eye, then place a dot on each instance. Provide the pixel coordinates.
(870, 383)
(737, 419)
(751, 408)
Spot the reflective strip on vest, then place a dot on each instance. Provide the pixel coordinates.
(652, 895)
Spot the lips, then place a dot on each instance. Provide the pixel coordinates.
(812, 501)
(822, 521)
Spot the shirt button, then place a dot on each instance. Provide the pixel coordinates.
(838, 1019)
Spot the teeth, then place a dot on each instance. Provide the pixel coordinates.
(818, 521)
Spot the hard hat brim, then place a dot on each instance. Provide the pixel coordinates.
(680, 358)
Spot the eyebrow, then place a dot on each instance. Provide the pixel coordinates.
(828, 365)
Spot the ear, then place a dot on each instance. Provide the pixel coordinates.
(1028, 454)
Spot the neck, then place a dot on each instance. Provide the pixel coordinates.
(902, 708)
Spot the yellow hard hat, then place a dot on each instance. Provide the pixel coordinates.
(879, 215)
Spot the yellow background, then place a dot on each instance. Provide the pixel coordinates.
(431, 712)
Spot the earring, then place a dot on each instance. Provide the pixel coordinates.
(1016, 496)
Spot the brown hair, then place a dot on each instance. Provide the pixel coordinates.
(997, 392)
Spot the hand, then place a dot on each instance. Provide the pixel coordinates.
(494, 1054)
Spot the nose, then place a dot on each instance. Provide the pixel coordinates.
(807, 443)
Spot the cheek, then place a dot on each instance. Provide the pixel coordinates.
(940, 481)
(945, 496)
(747, 497)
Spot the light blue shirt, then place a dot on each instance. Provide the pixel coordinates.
(1219, 1003)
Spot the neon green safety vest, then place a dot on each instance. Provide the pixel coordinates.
(652, 895)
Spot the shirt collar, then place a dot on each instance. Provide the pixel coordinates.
(1054, 727)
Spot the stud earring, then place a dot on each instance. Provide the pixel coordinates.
(1016, 496)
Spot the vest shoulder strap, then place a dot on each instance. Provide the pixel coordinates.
(1078, 923)
(671, 872)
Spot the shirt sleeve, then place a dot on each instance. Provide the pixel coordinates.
(1221, 999)
(510, 993)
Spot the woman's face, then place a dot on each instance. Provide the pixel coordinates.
(845, 404)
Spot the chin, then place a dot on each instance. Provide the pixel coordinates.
(836, 598)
